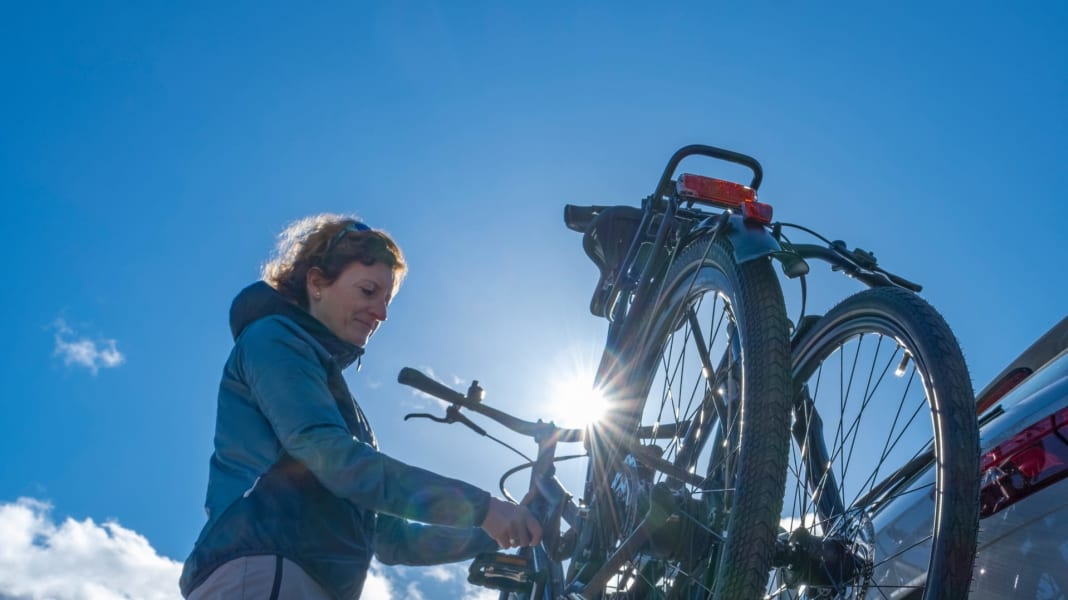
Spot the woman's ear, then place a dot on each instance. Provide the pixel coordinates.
(315, 282)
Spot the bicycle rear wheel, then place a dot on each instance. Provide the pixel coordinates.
(881, 496)
(713, 355)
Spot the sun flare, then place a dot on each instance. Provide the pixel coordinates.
(574, 403)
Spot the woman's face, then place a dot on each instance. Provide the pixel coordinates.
(354, 305)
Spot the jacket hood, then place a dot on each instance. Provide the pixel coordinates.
(260, 300)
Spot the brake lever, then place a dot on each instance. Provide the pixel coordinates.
(452, 415)
(426, 416)
(866, 261)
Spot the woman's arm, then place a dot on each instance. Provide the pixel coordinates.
(288, 381)
(400, 542)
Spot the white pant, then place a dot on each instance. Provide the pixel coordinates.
(257, 578)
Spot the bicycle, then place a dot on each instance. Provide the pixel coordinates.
(717, 405)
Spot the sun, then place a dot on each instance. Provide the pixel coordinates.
(574, 403)
(569, 398)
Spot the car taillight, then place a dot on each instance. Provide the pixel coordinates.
(1031, 460)
(717, 192)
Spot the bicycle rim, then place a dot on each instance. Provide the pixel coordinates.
(882, 391)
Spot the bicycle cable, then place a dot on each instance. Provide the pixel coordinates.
(512, 448)
(527, 465)
(802, 280)
(806, 230)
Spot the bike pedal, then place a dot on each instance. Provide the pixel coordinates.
(504, 572)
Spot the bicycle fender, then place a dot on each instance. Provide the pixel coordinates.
(749, 240)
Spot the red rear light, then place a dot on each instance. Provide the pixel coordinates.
(1033, 459)
(714, 191)
(718, 192)
(757, 211)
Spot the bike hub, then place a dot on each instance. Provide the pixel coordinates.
(839, 562)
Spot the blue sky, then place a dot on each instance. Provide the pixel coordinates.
(149, 154)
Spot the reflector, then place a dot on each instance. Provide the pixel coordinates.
(757, 211)
(715, 191)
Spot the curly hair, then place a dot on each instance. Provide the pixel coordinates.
(320, 241)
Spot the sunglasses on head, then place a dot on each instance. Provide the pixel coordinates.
(351, 227)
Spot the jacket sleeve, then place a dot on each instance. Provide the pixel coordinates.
(400, 542)
(288, 381)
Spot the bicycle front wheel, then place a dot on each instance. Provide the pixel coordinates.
(883, 485)
(711, 361)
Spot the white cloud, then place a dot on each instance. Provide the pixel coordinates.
(377, 585)
(84, 352)
(419, 583)
(481, 594)
(413, 592)
(444, 572)
(78, 560)
(41, 559)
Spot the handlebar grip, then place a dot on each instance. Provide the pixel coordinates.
(578, 218)
(412, 378)
(905, 283)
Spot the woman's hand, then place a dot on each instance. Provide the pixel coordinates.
(510, 525)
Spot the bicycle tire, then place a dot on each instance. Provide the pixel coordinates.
(747, 326)
(834, 485)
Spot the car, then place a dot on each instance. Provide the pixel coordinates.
(1023, 537)
(1023, 527)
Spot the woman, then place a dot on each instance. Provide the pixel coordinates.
(299, 497)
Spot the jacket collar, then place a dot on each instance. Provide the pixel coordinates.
(260, 300)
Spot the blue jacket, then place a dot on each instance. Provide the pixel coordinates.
(296, 470)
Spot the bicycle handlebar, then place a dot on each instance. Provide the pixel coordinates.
(413, 378)
(876, 277)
